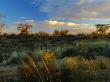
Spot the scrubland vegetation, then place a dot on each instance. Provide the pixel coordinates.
(51, 69)
(57, 57)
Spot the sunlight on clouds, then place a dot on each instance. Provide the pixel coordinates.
(53, 24)
(72, 24)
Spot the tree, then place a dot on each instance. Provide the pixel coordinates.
(2, 28)
(56, 32)
(102, 28)
(24, 28)
(2, 24)
(63, 32)
(60, 33)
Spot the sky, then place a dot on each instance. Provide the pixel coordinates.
(48, 15)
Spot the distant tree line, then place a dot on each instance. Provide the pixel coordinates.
(102, 31)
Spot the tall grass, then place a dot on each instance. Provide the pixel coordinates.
(71, 69)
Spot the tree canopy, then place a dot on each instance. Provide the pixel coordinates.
(102, 28)
(24, 28)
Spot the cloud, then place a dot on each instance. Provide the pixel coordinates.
(72, 24)
(29, 21)
(84, 1)
(22, 17)
(82, 30)
(75, 9)
(58, 24)
(25, 21)
(53, 24)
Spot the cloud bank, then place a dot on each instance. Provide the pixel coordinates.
(53, 24)
(75, 9)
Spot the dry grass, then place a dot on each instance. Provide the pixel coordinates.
(77, 67)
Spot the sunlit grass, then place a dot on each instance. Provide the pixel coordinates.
(78, 68)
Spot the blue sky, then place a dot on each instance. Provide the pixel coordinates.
(48, 15)
(16, 9)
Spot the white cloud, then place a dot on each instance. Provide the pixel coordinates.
(22, 17)
(29, 21)
(25, 21)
